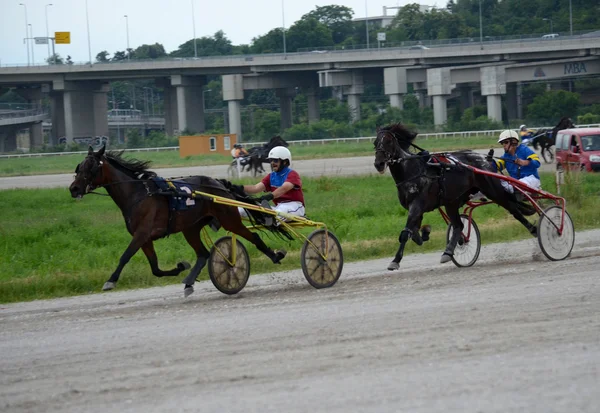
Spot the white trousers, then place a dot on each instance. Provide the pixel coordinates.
(294, 208)
(531, 181)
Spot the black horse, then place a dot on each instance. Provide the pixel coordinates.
(149, 212)
(426, 182)
(257, 155)
(546, 138)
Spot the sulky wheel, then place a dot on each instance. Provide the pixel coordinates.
(228, 275)
(322, 259)
(554, 246)
(466, 252)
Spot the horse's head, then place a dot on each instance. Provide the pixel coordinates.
(392, 143)
(88, 174)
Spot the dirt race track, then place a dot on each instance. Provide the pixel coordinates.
(518, 335)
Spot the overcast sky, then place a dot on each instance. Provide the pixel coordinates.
(168, 22)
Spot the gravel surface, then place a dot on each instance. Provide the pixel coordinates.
(514, 333)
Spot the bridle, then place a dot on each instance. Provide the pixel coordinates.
(395, 157)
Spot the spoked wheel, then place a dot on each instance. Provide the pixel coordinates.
(467, 250)
(554, 246)
(233, 171)
(227, 273)
(322, 259)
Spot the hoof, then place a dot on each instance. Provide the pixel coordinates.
(188, 290)
(109, 285)
(425, 231)
(393, 266)
(445, 258)
(183, 265)
(279, 255)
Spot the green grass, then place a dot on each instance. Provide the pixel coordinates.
(166, 159)
(54, 246)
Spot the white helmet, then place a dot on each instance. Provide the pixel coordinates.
(508, 134)
(280, 152)
(522, 127)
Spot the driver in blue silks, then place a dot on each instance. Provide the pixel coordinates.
(520, 161)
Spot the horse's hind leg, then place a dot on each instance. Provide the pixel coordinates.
(457, 227)
(148, 249)
(192, 236)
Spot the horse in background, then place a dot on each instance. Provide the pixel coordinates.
(150, 215)
(258, 155)
(429, 181)
(546, 138)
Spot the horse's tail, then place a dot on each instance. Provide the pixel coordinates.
(255, 217)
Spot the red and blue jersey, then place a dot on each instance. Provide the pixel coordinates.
(275, 179)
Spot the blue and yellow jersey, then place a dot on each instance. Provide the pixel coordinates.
(516, 171)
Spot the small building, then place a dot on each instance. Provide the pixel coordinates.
(206, 144)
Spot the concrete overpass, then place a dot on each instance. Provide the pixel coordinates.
(78, 92)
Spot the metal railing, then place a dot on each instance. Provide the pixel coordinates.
(440, 135)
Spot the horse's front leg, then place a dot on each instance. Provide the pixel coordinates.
(148, 249)
(139, 239)
(415, 216)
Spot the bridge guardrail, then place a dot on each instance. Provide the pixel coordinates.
(440, 135)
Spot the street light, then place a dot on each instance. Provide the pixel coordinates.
(480, 26)
(32, 43)
(194, 29)
(283, 23)
(127, 30)
(571, 17)
(47, 31)
(549, 20)
(87, 20)
(367, 23)
(204, 98)
(26, 39)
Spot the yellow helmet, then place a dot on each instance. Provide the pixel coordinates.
(508, 134)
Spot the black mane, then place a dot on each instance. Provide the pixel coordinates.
(132, 167)
(403, 135)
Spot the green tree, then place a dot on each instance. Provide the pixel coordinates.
(337, 18)
(55, 59)
(552, 105)
(308, 33)
(217, 45)
(102, 57)
(149, 51)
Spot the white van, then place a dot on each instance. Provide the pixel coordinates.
(550, 36)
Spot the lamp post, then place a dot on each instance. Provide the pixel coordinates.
(127, 32)
(204, 98)
(367, 23)
(283, 24)
(87, 20)
(47, 31)
(194, 29)
(571, 17)
(32, 43)
(551, 27)
(26, 39)
(480, 25)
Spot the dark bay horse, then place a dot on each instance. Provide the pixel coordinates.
(258, 155)
(426, 182)
(148, 215)
(546, 138)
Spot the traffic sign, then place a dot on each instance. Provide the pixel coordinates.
(41, 40)
(62, 37)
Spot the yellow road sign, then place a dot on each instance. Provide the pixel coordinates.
(62, 37)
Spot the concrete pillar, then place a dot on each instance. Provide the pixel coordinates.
(439, 87)
(511, 101)
(519, 100)
(170, 108)
(285, 96)
(36, 136)
(353, 93)
(233, 93)
(190, 108)
(494, 107)
(493, 85)
(395, 86)
(312, 97)
(57, 108)
(466, 97)
(84, 106)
